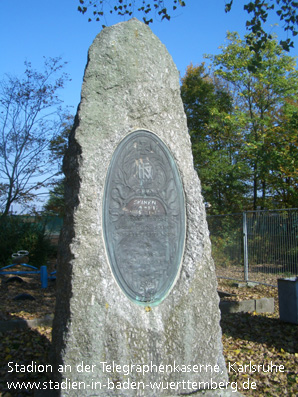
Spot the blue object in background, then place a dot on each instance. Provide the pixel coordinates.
(44, 276)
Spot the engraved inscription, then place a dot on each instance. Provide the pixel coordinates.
(144, 217)
(145, 206)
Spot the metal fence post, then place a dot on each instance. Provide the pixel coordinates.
(44, 276)
(245, 248)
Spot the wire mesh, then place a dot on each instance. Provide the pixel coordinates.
(265, 241)
(272, 238)
(51, 224)
(226, 234)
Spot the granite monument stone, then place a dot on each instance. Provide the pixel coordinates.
(137, 309)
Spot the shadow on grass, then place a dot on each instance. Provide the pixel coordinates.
(24, 357)
(261, 329)
(20, 344)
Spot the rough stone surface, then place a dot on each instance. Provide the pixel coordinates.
(262, 305)
(238, 307)
(265, 305)
(131, 83)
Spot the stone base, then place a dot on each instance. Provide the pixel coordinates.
(263, 305)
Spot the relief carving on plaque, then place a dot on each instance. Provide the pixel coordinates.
(144, 217)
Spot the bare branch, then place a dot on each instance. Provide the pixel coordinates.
(30, 117)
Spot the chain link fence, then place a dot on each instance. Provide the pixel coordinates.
(51, 224)
(36, 234)
(257, 246)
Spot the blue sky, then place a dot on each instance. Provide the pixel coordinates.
(32, 29)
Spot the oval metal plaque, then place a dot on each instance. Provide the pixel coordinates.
(144, 217)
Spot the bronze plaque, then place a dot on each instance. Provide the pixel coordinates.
(144, 217)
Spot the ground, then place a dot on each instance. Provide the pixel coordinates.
(253, 339)
(43, 304)
(249, 339)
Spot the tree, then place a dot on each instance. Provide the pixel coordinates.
(128, 7)
(30, 116)
(283, 177)
(216, 145)
(55, 204)
(259, 9)
(286, 11)
(59, 143)
(265, 109)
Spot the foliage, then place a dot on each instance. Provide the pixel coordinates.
(30, 116)
(55, 204)
(226, 234)
(265, 109)
(216, 144)
(24, 233)
(127, 8)
(286, 11)
(59, 143)
(243, 125)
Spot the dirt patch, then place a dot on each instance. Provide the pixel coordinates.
(265, 274)
(243, 292)
(42, 305)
